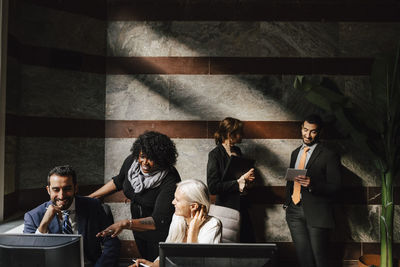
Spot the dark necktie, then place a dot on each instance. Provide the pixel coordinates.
(296, 196)
(66, 224)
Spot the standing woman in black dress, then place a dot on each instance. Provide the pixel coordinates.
(230, 191)
(148, 178)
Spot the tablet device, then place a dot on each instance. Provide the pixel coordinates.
(237, 166)
(291, 173)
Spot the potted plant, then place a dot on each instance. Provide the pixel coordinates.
(374, 128)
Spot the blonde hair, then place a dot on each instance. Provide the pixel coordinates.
(194, 191)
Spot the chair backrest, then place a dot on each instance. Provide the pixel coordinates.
(230, 219)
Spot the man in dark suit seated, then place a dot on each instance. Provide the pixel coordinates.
(71, 214)
(309, 211)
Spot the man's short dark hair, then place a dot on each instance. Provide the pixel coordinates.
(315, 119)
(64, 171)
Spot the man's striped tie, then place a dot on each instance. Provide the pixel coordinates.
(66, 224)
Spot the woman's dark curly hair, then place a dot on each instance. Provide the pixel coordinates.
(157, 147)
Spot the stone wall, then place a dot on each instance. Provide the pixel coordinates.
(169, 90)
(86, 78)
(52, 94)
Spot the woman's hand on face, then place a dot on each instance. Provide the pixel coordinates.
(198, 218)
(114, 229)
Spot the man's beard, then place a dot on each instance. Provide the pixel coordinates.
(312, 142)
(67, 200)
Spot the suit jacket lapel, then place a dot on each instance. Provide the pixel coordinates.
(80, 215)
(294, 157)
(314, 155)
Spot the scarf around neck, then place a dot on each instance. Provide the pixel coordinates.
(141, 181)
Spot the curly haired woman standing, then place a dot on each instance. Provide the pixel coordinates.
(148, 178)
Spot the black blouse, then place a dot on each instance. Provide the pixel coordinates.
(155, 202)
(227, 190)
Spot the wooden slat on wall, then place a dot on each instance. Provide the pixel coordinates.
(238, 65)
(340, 10)
(77, 61)
(55, 58)
(283, 10)
(91, 8)
(28, 126)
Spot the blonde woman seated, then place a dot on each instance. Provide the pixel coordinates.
(191, 222)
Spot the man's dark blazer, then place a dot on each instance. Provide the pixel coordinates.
(323, 168)
(91, 219)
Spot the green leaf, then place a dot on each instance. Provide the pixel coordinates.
(375, 127)
(389, 204)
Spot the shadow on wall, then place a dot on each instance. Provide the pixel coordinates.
(270, 87)
(277, 89)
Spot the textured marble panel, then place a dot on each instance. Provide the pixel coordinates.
(204, 97)
(396, 223)
(59, 93)
(121, 211)
(357, 162)
(299, 39)
(46, 27)
(38, 155)
(143, 97)
(361, 39)
(293, 100)
(10, 163)
(358, 223)
(215, 97)
(13, 85)
(358, 89)
(195, 38)
(269, 223)
(193, 156)
(116, 151)
(191, 162)
(272, 157)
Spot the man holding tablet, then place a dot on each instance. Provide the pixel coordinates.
(309, 197)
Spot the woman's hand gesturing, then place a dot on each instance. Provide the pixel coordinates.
(114, 229)
(246, 179)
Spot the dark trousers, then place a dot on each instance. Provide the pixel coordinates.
(311, 242)
(246, 226)
(148, 248)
